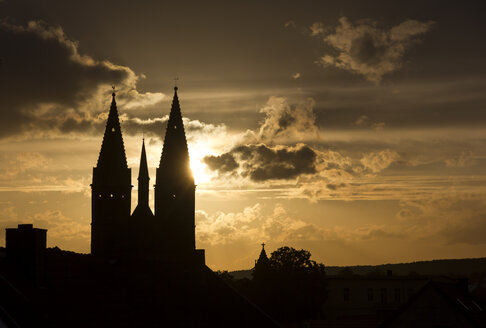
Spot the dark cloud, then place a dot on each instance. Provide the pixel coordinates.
(88, 125)
(365, 51)
(83, 125)
(262, 163)
(265, 163)
(224, 163)
(46, 81)
(335, 186)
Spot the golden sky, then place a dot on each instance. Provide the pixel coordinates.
(355, 130)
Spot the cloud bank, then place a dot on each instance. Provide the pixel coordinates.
(259, 222)
(48, 84)
(265, 158)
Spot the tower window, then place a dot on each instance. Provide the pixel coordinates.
(99, 195)
(112, 129)
(111, 195)
(173, 196)
(175, 127)
(123, 196)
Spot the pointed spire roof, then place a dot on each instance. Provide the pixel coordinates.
(262, 270)
(175, 154)
(143, 211)
(143, 170)
(112, 153)
(263, 258)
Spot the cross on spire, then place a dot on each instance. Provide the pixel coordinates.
(263, 245)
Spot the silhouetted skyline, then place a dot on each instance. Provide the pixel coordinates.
(351, 129)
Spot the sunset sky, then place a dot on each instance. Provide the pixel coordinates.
(353, 129)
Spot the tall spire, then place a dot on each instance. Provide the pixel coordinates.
(112, 154)
(143, 207)
(110, 191)
(174, 187)
(143, 171)
(175, 154)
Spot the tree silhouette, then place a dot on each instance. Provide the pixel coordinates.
(291, 261)
(294, 288)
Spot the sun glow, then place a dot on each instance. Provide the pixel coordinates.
(199, 169)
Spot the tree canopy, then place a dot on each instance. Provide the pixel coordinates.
(291, 287)
(288, 260)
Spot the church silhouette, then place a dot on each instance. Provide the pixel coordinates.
(169, 233)
(144, 269)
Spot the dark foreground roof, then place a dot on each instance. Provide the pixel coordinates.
(81, 291)
(439, 303)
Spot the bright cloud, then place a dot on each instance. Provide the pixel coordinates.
(367, 49)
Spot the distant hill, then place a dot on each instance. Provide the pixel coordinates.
(240, 274)
(459, 267)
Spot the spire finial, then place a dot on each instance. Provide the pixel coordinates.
(263, 245)
(113, 94)
(175, 83)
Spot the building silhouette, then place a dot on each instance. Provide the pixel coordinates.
(169, 233)
(26, 246)
(262, 270)
(143, 270)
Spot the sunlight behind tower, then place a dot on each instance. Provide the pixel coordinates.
(200, 171)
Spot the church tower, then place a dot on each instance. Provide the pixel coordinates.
(110, 192)
(262, 270)
(174, 188)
